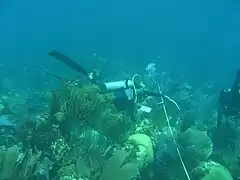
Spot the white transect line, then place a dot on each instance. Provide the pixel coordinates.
(171, 131)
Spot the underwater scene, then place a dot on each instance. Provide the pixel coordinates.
(120, 90)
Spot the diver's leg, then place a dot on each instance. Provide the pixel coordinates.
(236, 84)
(219, 118)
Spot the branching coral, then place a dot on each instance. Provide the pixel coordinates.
(79, 106)
(59, 149)
(81, 102)
(26, 165)
(22, 166)
(38, 135)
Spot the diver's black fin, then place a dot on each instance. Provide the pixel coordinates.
(69, 62)
(236, 85)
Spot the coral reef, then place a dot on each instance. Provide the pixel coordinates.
(76, 132)
(211, 171)
(144, 148)
(86, 106)
(18, 165)
(117, 167)
(196, 144)
(84, 103)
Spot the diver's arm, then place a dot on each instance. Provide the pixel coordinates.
(236, 85)
(153, 94)
(222, 104)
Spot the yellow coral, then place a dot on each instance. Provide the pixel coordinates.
(144, 145)
(211, 171)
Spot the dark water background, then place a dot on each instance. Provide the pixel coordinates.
(199, 39)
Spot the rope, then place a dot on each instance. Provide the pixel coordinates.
(134, 87)
(171, 130)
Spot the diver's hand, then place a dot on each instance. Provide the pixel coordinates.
(90, 76)
(153, 94)
(93, 78)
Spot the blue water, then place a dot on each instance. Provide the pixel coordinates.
(197, 38)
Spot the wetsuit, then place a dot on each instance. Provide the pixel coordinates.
(229, 101)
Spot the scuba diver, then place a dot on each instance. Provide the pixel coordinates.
(229, 102)
(127, 93)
